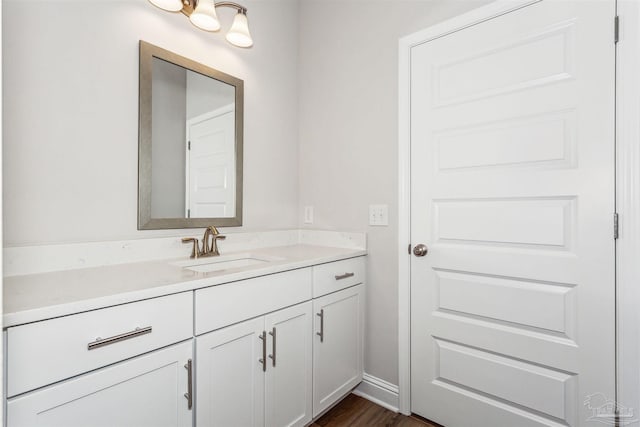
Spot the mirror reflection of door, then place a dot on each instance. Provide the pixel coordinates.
(189, 108)
(210, 164)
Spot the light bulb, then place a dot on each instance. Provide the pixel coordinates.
(239, 35)
(204, 16)
(170, 5)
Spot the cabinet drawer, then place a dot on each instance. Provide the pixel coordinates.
(337, 275)
(223, 305)
(45, 352)
(146, 390)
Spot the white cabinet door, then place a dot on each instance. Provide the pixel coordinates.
(230, 377)
(337, 345)
(288, 375)
(145, 391)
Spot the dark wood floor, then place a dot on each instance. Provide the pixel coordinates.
(356, 411)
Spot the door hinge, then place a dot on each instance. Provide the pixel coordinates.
(188, 145)
(616, 29)
(409, 249)
(615, 225)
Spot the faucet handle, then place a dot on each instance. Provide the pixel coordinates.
(214, 244)
(196, 249)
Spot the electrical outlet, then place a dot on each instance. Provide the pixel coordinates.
(308, 214)
(379, 215)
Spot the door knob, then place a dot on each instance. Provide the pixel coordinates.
(420, 250)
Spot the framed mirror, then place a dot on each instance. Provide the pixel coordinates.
(190, 133)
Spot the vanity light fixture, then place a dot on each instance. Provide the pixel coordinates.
(202, 14)
(170, 5)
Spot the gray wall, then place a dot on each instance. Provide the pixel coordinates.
(348, 94)
(205, 94)
(168, 157)
(320, 121)
(71, 113)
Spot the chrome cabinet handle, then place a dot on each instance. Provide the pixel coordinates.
(321, 333)
(344, 276)
(189, 394)
(101, 342)
(263, 337)
(273, 347)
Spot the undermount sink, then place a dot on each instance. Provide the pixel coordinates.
(225, 262)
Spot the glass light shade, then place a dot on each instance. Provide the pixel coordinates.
(204, 16)
(170, 5)
(239, 35)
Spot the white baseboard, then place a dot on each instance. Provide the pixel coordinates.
(378, 391)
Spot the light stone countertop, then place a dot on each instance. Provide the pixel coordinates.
(35, 297)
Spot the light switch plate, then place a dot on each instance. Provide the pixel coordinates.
(308, 214)
(379, 215)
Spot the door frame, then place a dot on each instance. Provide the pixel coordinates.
(627, 204)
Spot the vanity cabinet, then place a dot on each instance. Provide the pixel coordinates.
(42, 353)
(337, 346)
(146, 391)
(220, 306)
(268, 351)
(258, 372)
(117, 366)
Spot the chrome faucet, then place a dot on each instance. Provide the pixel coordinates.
(209, 243)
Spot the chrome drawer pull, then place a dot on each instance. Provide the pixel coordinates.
(273, 346)
(321, 333)
(263, 361)
(189, 394)
(99, 342)
(345, 276)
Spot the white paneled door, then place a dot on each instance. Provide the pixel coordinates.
(211, 168)
(512, 193)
